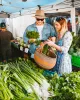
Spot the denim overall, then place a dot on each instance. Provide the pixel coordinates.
(58, 61)
(59, 57)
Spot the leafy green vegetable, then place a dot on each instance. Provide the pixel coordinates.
(47, 50)
(76, 43)
(5, 93)
(32, 34)
(66, 87)
(19, 82)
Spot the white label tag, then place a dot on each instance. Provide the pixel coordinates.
(26, 50)
(21, 48)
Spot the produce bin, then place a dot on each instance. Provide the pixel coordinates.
(75, 61)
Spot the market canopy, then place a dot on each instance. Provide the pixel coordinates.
(8, 7)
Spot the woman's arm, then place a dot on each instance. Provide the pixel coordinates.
(51, 43)
(67, 40)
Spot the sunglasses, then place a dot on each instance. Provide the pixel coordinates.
(59, 18)
(39, 19)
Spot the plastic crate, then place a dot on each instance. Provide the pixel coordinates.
(75, 61)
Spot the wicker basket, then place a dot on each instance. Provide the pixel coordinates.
(44, 61)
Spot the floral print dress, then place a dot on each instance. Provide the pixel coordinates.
(63, 64)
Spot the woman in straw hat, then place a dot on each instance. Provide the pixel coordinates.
(45, 30)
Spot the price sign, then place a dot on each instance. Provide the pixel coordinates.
(21, 48)
(26, 50)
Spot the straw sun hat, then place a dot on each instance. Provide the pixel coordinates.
(39, 14)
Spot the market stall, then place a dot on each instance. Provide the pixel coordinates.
(25, 78)
(75, 52)
(19, 48)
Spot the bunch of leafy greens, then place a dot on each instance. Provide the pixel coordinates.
(32, 34)
(66, 87)
(47, 50)
(76, 43)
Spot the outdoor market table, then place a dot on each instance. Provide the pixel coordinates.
(18, 50)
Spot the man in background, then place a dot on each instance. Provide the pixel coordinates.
(69, 26)
(5, 43)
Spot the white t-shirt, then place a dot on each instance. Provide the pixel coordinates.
(40, 31)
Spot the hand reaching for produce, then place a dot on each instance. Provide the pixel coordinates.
(39, 49)
(49, 42)
(42, 44)
(32, 40)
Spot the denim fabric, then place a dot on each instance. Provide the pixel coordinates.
(55, 69)
(59, 57)
(47, 31)
(63, 64)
